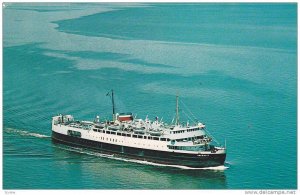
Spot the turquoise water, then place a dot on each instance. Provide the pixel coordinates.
(233, 65)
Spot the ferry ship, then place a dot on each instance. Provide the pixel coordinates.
(154, 141)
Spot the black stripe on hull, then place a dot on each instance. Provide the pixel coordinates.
(162, 157)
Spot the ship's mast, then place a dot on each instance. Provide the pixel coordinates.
(113, 104)
(177, 111)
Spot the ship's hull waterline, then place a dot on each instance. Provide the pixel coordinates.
(161, 157)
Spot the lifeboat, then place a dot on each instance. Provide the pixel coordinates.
(155, 132)
(114, 127)
(139, 130)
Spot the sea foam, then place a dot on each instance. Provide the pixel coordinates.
(25, 133)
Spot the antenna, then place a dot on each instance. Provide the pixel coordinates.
(177, 111)
(161, 119)
(172, 120)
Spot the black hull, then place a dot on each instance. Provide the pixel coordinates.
(169, 158)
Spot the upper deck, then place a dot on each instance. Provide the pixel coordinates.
(137, 127)
(182, 139)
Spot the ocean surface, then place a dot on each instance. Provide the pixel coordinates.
(233, 65)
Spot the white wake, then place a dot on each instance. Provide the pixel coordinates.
(25, 133)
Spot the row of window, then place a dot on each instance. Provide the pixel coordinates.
(156, 138)
(115, 140)
(175, 132)
(190, 130)
(74, 133)
(190, 138)
(182, 131)
(134, 135)
(174, 147)
(190, 148)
